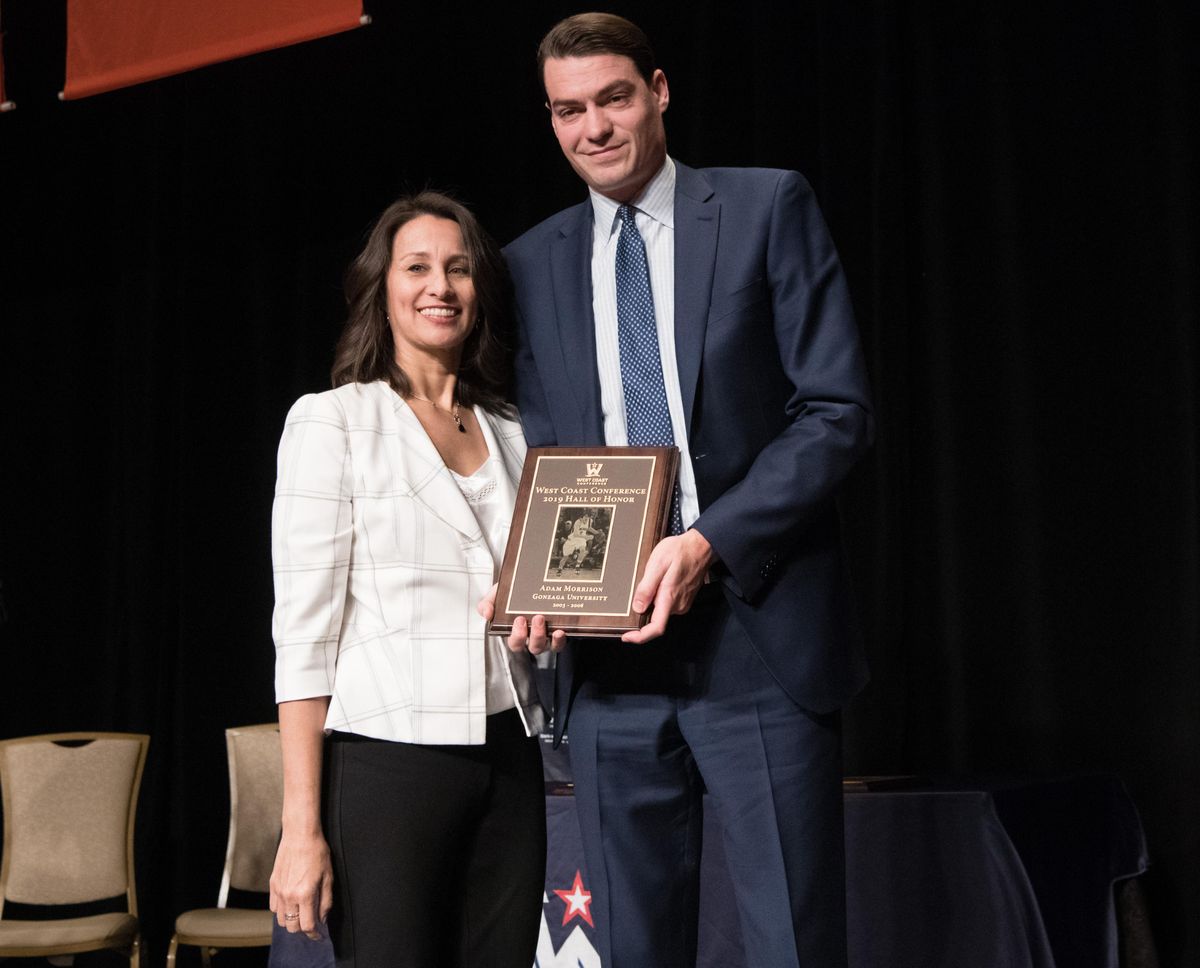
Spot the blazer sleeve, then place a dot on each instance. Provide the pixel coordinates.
(311, 530)
(758, 522)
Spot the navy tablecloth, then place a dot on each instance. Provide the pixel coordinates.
(939, 875)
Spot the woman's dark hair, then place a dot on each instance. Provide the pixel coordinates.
(587, 34)
(365, 350)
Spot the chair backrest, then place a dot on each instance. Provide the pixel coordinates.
(255, 807)
(70, 800)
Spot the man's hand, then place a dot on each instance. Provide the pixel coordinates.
(676, 570)
(528, 635)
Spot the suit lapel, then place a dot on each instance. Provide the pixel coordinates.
(697, 220)
(422, 469)
(571, 278)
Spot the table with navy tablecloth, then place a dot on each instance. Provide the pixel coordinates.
(993, 874)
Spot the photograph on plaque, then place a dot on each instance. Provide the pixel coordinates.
(586, 520)
(580, 543)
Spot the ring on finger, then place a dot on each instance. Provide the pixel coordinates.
(294, 916)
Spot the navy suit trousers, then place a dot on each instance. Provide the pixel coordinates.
(655, 726)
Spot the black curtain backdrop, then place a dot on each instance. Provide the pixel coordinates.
(1014, 197)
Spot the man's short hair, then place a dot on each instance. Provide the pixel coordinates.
(587, 34)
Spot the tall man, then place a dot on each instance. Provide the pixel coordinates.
(711, 312)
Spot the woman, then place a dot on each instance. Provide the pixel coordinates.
(392, 508)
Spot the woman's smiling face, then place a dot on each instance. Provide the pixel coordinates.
(430, 293)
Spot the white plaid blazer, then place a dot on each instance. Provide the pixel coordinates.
(379, 563)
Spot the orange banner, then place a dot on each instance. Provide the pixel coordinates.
(115, 43)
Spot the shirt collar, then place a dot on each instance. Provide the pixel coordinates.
(657, 200)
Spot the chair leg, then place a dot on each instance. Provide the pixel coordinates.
(171, 949)
(206, 954)
(135, 951)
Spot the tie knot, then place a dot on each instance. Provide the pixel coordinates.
(625, 214)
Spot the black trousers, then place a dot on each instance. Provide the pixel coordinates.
(439, 852)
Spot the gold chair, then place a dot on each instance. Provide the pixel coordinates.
(255, 805)
(69, 805)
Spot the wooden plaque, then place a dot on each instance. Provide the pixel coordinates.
(585, 522)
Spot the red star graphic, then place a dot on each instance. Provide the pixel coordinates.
(578, 901)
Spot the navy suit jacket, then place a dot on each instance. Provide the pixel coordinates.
(775, 399)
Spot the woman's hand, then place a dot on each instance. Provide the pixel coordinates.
(302, 883)
(528, 635)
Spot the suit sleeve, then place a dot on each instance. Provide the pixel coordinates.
(311, 528)
(754, 524)
(532, 401)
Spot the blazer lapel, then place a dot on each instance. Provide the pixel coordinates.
(697, 220)
(423, 471)
(571, 279)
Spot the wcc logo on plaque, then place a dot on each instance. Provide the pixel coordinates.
(593, 470)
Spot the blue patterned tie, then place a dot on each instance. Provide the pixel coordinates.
(647, 417)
